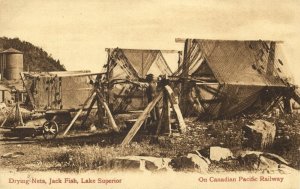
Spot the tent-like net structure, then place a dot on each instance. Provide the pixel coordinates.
(133, 65)
(232, 76)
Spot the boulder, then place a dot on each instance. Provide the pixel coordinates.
(192, 162)
(274, 157)
(200, 163)
(267, 165)
(259, 135)
(249, 162)
(182, 163)
(141, 163)
(265, 162)
(216, 153)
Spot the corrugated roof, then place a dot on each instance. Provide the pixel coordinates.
(239, 62)
(11, 51)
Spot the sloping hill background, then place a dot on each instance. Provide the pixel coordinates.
(35, 58)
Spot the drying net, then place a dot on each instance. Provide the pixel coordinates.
(136, 64)
(246, 71)
(133, 64)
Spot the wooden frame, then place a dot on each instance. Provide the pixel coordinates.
(168, 97)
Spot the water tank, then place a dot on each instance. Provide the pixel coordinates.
(14, 64)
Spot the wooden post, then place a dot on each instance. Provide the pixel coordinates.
(175, 106)
(72, 122)
(164, 122)
(89, 111)
(159, 125)
(79, 112)
(179, 59)
(141, 119)
(111, 120)
(20, 119)
(167, 118)
(185, 73)
(296, 95)
(108, 112)
(27, 90)
(287, 105)
(108, 75)
(100, 112)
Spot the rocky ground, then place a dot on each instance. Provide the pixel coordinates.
(207, 146)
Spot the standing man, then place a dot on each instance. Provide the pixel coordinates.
(151, 93)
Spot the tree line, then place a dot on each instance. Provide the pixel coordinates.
(35, 58)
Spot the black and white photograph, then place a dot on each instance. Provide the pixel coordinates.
(149, 94)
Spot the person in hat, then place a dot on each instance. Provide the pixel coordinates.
(151, 89)
(151, 93)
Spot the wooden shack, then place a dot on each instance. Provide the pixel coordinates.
(58, 90)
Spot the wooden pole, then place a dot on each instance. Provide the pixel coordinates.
(27, 90)
(159, 125)
(135, 50)
(287, 105)
(182, 40)
(100, 112)
(164, 124)
(185, 84)
(108, 76)
(79, 112)
(175, 106)
(167, 118)
(296, 96)
(111, 120)
(161, 118)
(108, 112)
(141, 119)
(20, 114)
(72, 122)
(89, 111)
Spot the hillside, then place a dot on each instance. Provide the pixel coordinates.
(35, 58)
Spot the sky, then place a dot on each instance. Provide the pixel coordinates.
(77, 31)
